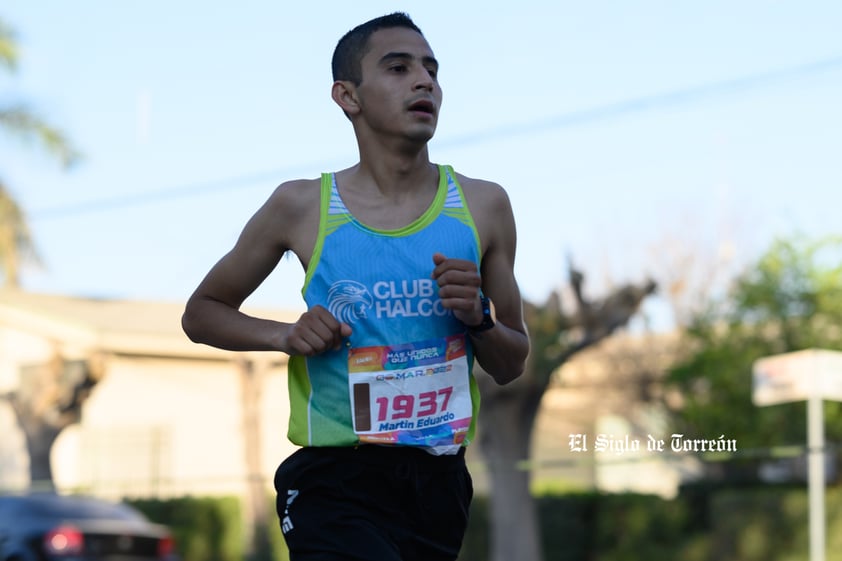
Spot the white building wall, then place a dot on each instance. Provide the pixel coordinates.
(14, 461)
(173, 427)
(16, 350)
(275, 406)
(151, 427)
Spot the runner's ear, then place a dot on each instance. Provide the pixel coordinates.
(344, 93)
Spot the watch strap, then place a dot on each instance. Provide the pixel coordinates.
(487, 318)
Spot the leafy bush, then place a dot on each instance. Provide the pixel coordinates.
(204, 528)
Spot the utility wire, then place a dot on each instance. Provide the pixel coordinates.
(564, 120)
(157, 195)
(651, 102)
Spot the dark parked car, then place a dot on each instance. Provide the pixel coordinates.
(49, 527)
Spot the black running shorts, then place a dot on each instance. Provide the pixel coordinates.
(373, 503)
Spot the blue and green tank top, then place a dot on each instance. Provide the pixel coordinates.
(404, 376)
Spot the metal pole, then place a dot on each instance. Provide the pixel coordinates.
(815, 481)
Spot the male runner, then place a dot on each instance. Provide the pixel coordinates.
(408, 279)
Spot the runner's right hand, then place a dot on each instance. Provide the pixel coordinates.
(315, 332)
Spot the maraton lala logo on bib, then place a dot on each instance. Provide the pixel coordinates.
(349, 300)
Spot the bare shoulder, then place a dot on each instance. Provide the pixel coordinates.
(293, 204)
(289, 218)
(292, 197)
(481, 193)
(491, 210)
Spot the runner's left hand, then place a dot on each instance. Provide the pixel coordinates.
(459, 287)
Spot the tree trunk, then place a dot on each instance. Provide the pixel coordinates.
(49, 399)
(257, 508)
(40, 438)
(507, 414)
(507, 417)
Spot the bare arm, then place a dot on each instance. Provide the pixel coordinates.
(501, 350)
(212, 315)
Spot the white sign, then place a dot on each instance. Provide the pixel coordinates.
(813, 376)
(797, 376)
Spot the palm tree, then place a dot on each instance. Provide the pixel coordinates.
(16, 119)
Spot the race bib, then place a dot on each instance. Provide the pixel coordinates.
(414, 394)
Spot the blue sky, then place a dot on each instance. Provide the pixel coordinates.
(624, 132)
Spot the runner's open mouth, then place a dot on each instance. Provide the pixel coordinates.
(422, 106)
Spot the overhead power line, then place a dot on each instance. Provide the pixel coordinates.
(156, 195)
(650, 102)
(565, 120)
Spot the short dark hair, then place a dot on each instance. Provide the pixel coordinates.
(347, 56)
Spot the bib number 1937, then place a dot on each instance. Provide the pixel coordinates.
(416, 394)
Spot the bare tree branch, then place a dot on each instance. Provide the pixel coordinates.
(507, 415)
(49, 400)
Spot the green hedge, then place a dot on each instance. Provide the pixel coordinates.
(211, 529)
(702, 524)
(584, 526)
(762, 524)
(208, 529)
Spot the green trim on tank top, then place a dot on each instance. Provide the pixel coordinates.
(330, 222)
(426, 218)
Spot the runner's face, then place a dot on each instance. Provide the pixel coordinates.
(399, 92)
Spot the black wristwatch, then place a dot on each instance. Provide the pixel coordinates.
(489, 318)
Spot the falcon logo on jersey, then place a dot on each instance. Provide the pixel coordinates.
(348, 301)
